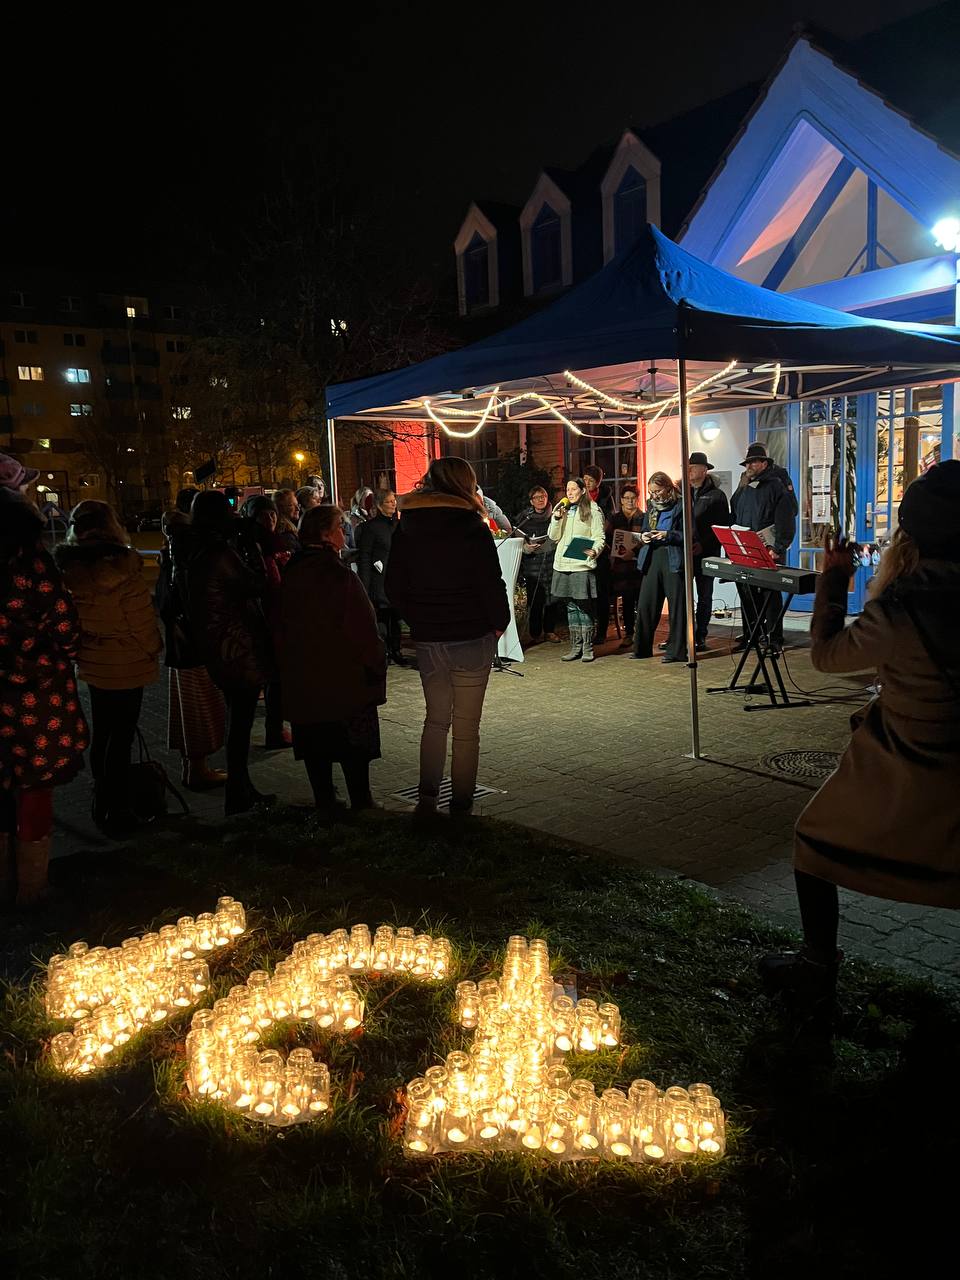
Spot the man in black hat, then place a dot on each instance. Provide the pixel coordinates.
(759, 452)
(764, 502)
(709, 506)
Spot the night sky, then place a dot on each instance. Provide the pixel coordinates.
(125, 152)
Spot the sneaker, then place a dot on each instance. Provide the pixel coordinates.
(662, 645)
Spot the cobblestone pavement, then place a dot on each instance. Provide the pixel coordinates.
(597, 754)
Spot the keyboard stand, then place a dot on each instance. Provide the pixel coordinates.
(768, 663)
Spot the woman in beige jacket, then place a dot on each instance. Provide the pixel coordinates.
(887, 821)
(119, 648)
(577, 521)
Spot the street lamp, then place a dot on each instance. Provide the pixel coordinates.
(299, 457)
(946, 233)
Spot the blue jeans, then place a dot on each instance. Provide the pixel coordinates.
(454, 678)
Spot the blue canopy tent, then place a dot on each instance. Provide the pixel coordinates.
(655, 302)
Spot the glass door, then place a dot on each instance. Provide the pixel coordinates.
(909, 425)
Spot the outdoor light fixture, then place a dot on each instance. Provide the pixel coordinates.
(709, 431)
(111, 993)
(513, 1092)
(299, 457)
(946, 234)
(312, 984)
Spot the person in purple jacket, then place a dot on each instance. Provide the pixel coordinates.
(444, 578)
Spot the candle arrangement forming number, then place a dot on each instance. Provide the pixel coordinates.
(111, 993)
(512, 1090)
(312, 984)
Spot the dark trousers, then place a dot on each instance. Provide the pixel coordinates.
(629, 598)
(754, 600)
(540, 613)
(704, 585)
(388, 621)
(819, 914)
(241, 709)
(114, 714)
(356, 774)
(660, 583)
(602, 602)
(273, 707)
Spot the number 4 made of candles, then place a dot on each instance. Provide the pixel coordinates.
(514, 1092)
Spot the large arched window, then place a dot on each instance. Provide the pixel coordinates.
(545, 250)
(629, 210)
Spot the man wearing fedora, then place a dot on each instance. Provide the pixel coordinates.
(764, 501)
(709, 506)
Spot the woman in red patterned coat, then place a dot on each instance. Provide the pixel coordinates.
(43, 733)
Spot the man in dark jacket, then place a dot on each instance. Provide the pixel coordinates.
(709, 507)
(763, 502)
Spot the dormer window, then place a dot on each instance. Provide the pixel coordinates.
(546, 254)
(476, 273)
(629, 210)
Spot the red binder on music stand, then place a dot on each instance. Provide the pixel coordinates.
(745, 548)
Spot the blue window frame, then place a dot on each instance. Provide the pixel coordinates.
(476, 272)
(545, 250)
(629, 210)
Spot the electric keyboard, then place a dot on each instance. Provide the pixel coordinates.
(796, 582)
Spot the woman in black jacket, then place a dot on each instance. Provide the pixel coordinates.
(222, 601)
(374, 539)
(536, 567)
(660, 561)
(625, 577)
(444, 578)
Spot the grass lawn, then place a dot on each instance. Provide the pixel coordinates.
(842, 1169)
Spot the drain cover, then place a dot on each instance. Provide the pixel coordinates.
(412, 794)
(802, 764)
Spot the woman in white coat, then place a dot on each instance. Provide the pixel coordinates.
(577, 529)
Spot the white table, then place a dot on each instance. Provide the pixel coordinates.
(510, 553)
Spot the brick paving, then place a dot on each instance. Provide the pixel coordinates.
(596, 754)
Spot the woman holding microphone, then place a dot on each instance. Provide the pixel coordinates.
(577, 529)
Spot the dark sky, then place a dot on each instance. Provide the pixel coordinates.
(125, 150)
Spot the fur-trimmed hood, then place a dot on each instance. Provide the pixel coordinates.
(432, 500)
(106, 566)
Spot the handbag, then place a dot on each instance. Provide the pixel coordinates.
(148, 785)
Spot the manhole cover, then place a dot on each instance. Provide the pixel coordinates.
(412, 794)
(803, 764)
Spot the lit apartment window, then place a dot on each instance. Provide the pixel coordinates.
(218, 380)
(131, 313)
(81, 411)
(68, 302)
(176, 344)
(181, 411)
(135, 307)
(24, 335)
(337, 327)
(43, 442)
(78, 375)
(30, 372)
(74, 339)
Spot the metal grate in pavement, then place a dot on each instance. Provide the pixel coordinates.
(412, 794)
(802, 764)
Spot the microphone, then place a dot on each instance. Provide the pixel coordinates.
(561, 506)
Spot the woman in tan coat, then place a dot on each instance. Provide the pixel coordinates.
(119, 647)
(887, 822)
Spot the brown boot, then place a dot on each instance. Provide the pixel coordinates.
(7, 875)
(198, 776)
(32, 859)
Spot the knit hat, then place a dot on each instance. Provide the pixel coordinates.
(930, 511)
(13, 474)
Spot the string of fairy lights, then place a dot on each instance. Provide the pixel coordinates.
(647, 412)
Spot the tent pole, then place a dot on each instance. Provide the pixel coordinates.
(332, 460)
(688, 554)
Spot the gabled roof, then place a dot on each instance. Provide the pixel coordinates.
(503, 216)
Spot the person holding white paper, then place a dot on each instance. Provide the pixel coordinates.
(577, 529)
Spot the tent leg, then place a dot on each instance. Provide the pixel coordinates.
(688, 556)
(331, 461)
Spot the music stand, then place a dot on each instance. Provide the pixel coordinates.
(747, 550)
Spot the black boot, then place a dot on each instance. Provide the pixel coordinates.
(808, 987)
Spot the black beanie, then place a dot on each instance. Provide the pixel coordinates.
(930, 511)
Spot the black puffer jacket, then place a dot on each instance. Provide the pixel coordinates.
(374, 539)
(444, 574)
(536, 566)
(221, 597)
(710, 507)
(764, 502)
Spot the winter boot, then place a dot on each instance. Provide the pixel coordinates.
(588, 654)
(33, 857)
(576, 645)
(808, 987)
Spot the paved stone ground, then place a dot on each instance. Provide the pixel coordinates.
(597, 754)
